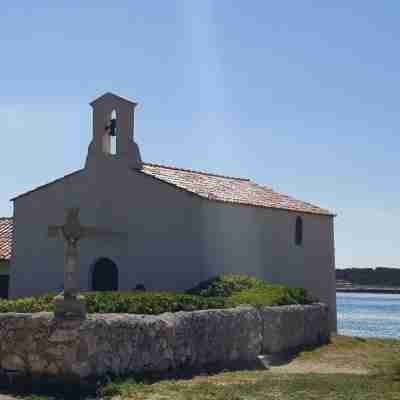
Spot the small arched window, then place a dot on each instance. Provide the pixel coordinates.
(298, 239)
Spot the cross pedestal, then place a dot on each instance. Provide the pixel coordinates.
(69, 307)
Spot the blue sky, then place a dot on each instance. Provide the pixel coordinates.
(300, 95)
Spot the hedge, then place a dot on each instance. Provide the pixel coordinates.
(244, 289)
(226, 285)
(219, 292)
(121, 302)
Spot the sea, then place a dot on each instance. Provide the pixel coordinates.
(369, 314)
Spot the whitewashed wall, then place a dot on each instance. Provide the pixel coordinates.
(175, 239)
(261, 242)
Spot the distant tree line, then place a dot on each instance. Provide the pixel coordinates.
(370, 276)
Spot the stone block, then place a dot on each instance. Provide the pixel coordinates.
(289, 328)
(13, 362)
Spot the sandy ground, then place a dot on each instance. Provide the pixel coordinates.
(306, 367)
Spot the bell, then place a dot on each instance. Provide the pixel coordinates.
(113, 127)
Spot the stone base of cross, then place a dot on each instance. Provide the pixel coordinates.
(70, 304)
(69, 307)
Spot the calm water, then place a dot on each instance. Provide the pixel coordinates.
(369, 314)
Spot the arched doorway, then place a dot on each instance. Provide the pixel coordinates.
(104, 276)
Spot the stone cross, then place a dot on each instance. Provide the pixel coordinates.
(70, 303)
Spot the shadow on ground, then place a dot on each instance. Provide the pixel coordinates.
(69, 388)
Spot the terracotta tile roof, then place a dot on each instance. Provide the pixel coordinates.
(228, 189)
(6, 230)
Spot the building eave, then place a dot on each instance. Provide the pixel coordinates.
(45, 185)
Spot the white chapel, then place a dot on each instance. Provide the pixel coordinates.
(180, 226)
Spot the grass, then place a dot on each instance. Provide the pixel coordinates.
(267, 386)
(377, 356)
(379, 359)
(372, 372)
(263, 385)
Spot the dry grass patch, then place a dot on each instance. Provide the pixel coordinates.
(270, 387)
(346, 369)
(353, 354)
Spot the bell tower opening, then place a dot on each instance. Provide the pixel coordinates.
(111, 134)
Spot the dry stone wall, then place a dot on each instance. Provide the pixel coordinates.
(39, 344)
(288, 328)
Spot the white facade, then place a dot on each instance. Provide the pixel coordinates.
(174, 238)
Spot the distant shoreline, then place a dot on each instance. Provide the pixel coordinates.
(358, 289)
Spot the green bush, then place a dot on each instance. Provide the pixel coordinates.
(120, 302)
(226, 285)
(148, 302)
(244, 289)
(28, 304)
(269, 296)
(219, 292)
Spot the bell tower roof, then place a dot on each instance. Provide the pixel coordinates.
(107, 97)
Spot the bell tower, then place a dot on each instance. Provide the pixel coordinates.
(113, 132)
